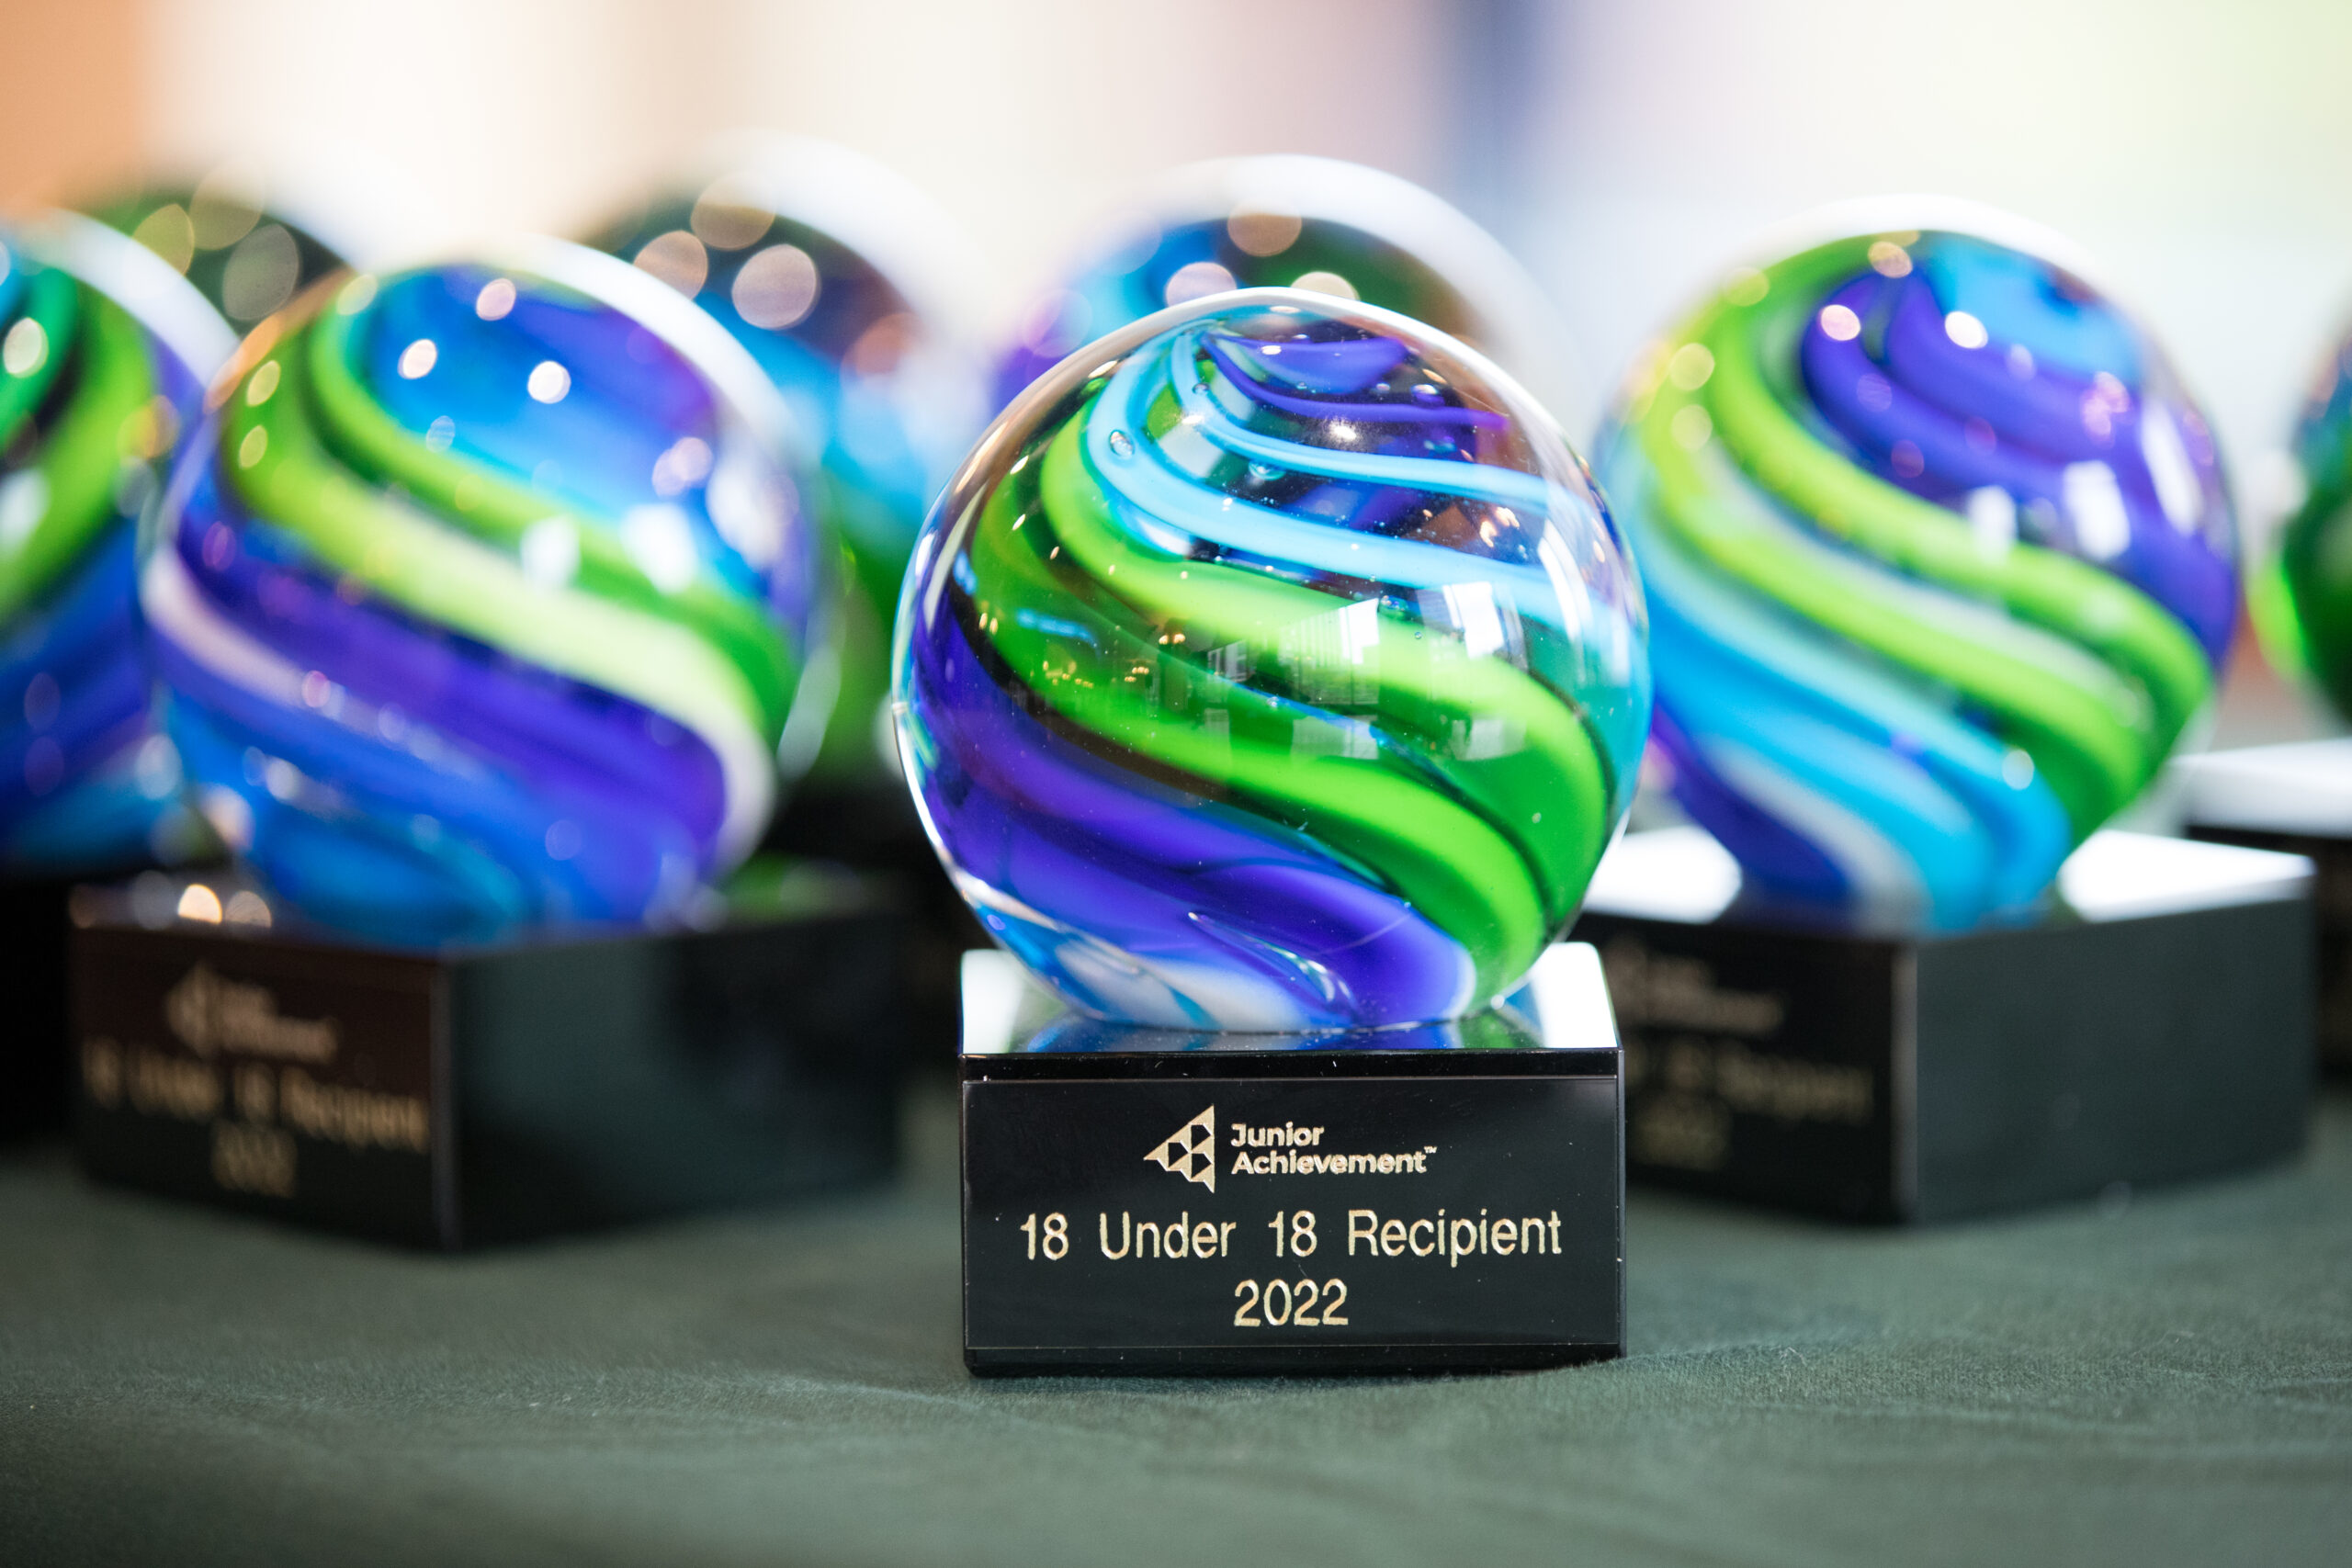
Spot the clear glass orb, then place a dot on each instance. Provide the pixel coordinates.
(1939, 559)
(2302, 596)
(104, 355)
(1317, 224)
(483, 600)
(854, 293)
(1272, 665)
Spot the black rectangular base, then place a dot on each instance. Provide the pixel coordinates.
(2162, 1035)
(2296, 799)
(1241, 1211)
(487, 1095)
(875, 831)
(2331, 859)
(35, 1048)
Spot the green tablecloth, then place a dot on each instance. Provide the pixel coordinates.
(2164, 1381)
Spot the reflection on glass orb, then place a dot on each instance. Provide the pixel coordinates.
(482, 600)
(2302, 602)
(223, 234)
(848, 285)
(1272, 666)
(104, 357)
(1939, 562)
(1315, 224)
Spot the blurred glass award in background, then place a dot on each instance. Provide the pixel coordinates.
(855, 295)
(1941, 568)
(2296, 797)
(105, 352)
(1316, 224)
(489, 627)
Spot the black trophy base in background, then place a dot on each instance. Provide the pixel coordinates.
(2295, 799)
(1146, 1201)
(875, 831)
(34, 1045)
(486, 1095)
(2156, 1030)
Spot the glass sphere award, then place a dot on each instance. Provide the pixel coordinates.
(484, 613)
(2301, 594)
(1318, 225)
(1941, 569)
(1271, 680)
(2296, 796)
(481, 606)
(104, 355)
(851, 289)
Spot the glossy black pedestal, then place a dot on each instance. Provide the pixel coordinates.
(1150, 1201)
(465, 1097)
(2296, 799)
(34, 1049)
(2157, 1030)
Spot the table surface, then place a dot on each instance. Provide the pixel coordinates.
(2166, 1379)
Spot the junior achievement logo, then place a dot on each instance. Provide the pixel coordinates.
(1289, 1149)
(212, 1013)
(1190, 1150)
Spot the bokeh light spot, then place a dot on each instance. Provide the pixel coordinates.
(776, 288)
(678, 259)
(1196, 280)
(1329, 283)
(168, 232)
(729, 216)
(1261, 233)
(25, 349)
(261, 274)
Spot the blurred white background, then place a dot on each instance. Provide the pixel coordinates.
(1024, 119)
(1625, 150)
(2200, 150)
